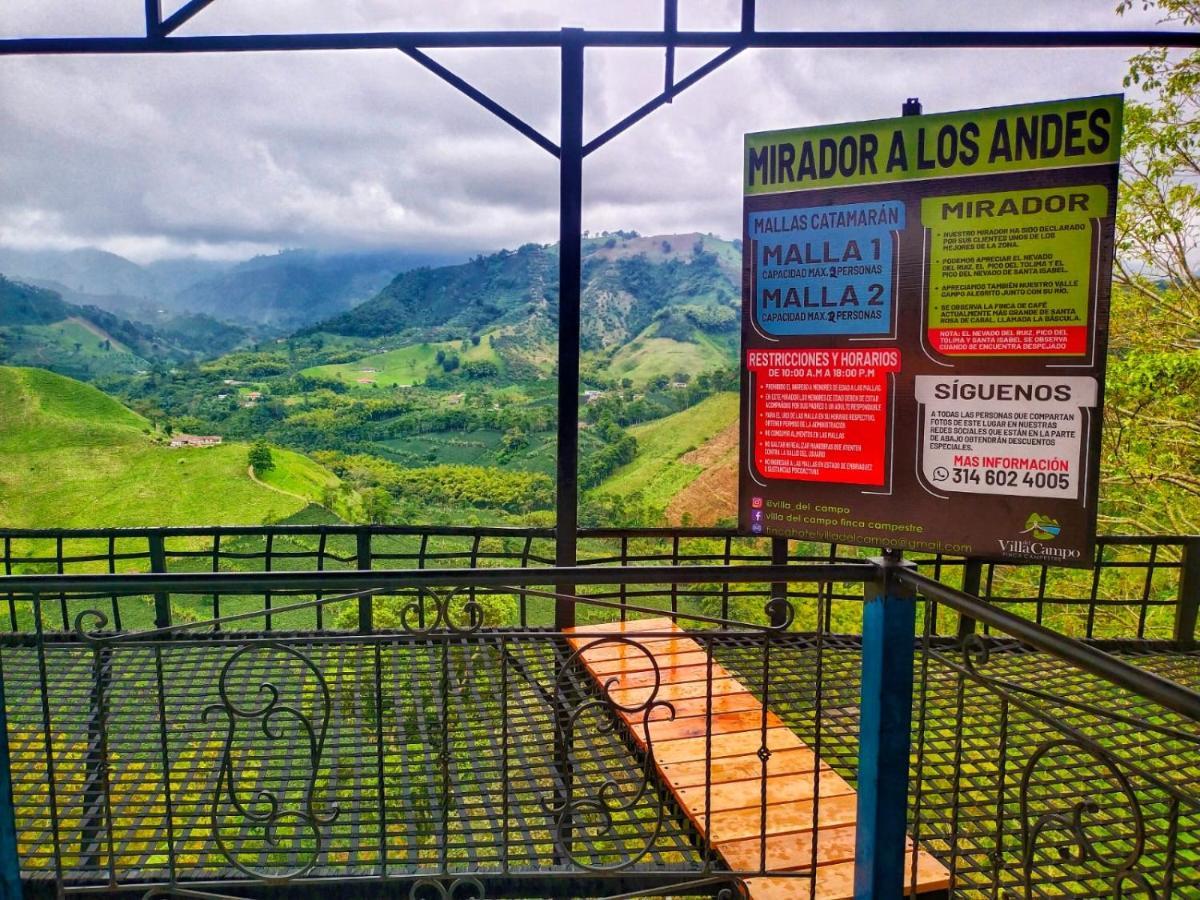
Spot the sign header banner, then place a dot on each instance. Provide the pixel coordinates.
(1082, 132)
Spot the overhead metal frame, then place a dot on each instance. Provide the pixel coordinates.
(161, 38)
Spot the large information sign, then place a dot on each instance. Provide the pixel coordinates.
(924, 325)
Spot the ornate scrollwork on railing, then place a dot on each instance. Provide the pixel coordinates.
(780, 613)
(90, 625)
(465, 887)
(587, 814)
(1086, 836)
(254, 827)
(431, 610)
(976, 652)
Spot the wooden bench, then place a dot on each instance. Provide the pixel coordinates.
(681, 746)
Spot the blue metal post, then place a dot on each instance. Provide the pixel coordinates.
(10, 863)
(885, 719)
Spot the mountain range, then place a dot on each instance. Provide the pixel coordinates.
(651, 305)
(672, 285)
(268, 295)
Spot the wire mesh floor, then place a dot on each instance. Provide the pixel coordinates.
(978, 727)
(451, 746)
(440, 757)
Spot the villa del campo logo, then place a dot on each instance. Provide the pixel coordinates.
(1042, 528)
(1039, 532)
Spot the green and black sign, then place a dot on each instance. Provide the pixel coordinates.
(925, 319)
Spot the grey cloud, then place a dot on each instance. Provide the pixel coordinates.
(215, 154)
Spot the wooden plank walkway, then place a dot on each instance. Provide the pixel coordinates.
(735, 825)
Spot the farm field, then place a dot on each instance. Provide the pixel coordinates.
(77, 458)
(648, 358)
(405, 366)
(658, 471)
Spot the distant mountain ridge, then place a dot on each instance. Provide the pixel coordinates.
(677, 283)
(272, 295)
(40, 328)
(294, 288)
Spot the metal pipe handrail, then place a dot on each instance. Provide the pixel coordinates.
(601, 532)
(416, 40)
(1161, 690)
(1092, 659)
(385, 579)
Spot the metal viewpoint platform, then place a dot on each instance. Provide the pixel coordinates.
(401, 711)
(355, 716)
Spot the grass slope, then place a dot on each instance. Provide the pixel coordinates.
(657, 471)
(405, 366)
(73, 345)
(70, 456)
(648, 357)
(298, 475)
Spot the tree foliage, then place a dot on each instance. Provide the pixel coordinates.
(1152, 438)
(260, 458)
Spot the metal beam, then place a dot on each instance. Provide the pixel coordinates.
(570, 265)
(885, 733)
(153, 19)
(183, 15)
(665, 97)
(747, 16)
(483, 100)
(670, 26)
(399, 40)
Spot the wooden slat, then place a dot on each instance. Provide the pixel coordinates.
(644, 662)
(677, 675)
(780, 789)
(721, 745)
(710, 757)
(698, 706)
(661, 623)
(631, 697)
(600, 651)
(737, 768)
(722, 723)
(836, 881)
(790, 851)
(782, 818)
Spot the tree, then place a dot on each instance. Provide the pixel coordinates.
(1158, 222)
(260, 458)
(1151, 470)
(377, 505)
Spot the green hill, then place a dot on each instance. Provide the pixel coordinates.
(628, 283)
(71, 456)
(653, 354)
(657, 471)
(406, 365)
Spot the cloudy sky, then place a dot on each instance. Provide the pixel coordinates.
(225, 156)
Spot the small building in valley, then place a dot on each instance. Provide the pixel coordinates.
(195, 440)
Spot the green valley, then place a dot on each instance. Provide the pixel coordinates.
(433, 401)
(76, 457)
